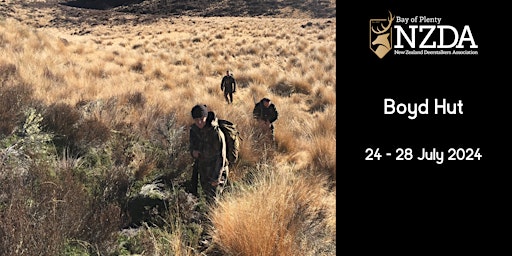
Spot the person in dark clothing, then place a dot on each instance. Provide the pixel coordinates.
(266, 114)
(208, 148)
(228, 86)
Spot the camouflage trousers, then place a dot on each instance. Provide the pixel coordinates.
(266, 134)
(228, 96)
(206, 172)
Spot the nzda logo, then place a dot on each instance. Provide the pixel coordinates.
(380, 35)
(419, 35)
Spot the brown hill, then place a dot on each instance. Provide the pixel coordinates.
(76, 13)
(208, 8)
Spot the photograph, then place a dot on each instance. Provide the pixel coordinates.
(169, 127)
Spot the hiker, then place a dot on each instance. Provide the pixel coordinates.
(208, 148)
(266, 114)
(228, 85)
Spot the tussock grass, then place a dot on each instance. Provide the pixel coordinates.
(111, 105)
(277, 213)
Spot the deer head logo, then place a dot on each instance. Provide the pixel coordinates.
(380, 35)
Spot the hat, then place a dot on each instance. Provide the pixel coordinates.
(199, 110)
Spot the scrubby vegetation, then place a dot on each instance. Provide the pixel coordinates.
(94, 136)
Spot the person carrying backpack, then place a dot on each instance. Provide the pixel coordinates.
(266, 114)
(208, 149)
(228, 86)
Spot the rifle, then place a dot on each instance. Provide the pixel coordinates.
(195, 178)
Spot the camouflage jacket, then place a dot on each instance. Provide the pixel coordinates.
(210, 142)
(267, 114)
(228, 84)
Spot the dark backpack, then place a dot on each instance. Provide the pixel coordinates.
(232, 139)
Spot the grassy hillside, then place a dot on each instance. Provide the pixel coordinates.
(95, 108)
